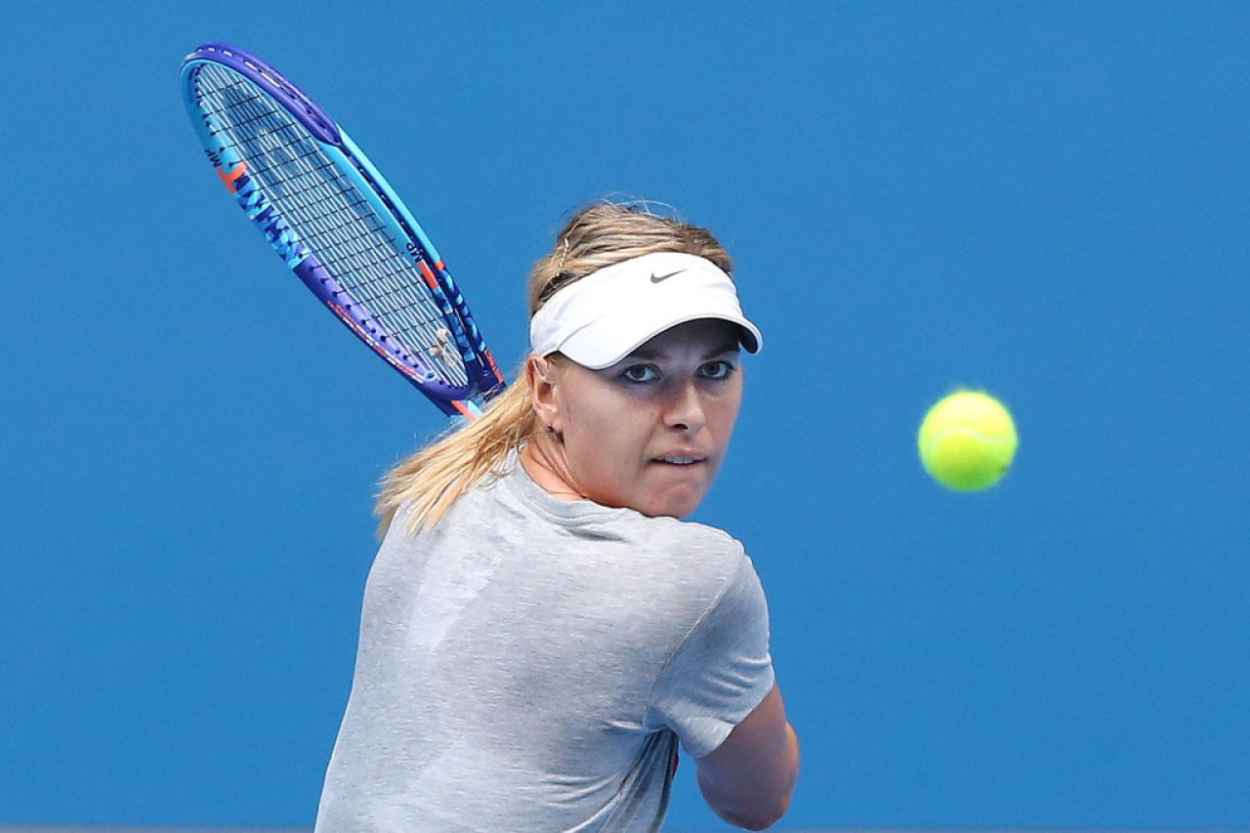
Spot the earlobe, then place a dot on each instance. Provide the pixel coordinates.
(539, 373)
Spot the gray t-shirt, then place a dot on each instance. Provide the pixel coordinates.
(531, 664)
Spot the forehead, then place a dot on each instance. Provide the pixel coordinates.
(705, 336)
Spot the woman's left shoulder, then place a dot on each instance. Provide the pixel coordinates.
(692, 540)
(711, 534)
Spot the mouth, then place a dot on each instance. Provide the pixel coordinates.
(680, 461)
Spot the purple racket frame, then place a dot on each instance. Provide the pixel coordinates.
(485, 380)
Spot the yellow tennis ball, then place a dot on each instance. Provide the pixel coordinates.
(967, 441)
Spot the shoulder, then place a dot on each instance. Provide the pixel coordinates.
(683, 544)
(686, 541)
(692, 564)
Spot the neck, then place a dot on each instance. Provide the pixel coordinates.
(544, 461)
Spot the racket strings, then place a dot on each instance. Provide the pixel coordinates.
(333, 218)
(348, 245)
(344, 192)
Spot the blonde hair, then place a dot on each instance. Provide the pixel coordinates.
(596, 236)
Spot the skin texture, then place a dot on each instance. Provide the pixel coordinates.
(679, 393)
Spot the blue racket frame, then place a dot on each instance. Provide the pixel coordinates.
(485, 378)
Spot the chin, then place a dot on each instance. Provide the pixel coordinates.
(673, 509)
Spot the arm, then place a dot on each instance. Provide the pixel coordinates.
(749, 778)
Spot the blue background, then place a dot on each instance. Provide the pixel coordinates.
(1046, 201)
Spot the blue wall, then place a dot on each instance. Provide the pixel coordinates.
(1050, 202)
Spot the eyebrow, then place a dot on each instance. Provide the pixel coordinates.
(643, 353)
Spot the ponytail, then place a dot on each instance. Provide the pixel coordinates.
(436, 476)
(596, 236)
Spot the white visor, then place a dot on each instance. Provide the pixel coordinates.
(602, 318)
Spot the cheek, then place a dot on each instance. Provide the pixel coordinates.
(606, 438)
(723, 415)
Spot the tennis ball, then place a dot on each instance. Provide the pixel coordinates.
(967, 441)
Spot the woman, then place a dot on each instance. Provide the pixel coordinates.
(540, 630)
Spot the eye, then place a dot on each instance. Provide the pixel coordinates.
(640, 374)
(719, 370)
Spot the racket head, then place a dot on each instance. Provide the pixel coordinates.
(337, 224)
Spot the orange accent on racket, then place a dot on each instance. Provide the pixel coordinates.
(427, 275)
(229, 177)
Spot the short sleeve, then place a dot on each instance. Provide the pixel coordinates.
(720, 672)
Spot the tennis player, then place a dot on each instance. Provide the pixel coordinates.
(540, 629)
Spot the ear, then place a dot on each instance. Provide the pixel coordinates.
(542, 374)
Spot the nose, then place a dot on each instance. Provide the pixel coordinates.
(685, 409)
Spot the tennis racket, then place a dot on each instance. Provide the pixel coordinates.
(338, 225)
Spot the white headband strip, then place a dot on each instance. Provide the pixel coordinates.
(599, 320)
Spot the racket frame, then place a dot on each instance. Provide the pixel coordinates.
(485, 380)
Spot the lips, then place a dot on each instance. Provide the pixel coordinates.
(681, 458)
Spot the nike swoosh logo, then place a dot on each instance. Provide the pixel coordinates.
(657, 278)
